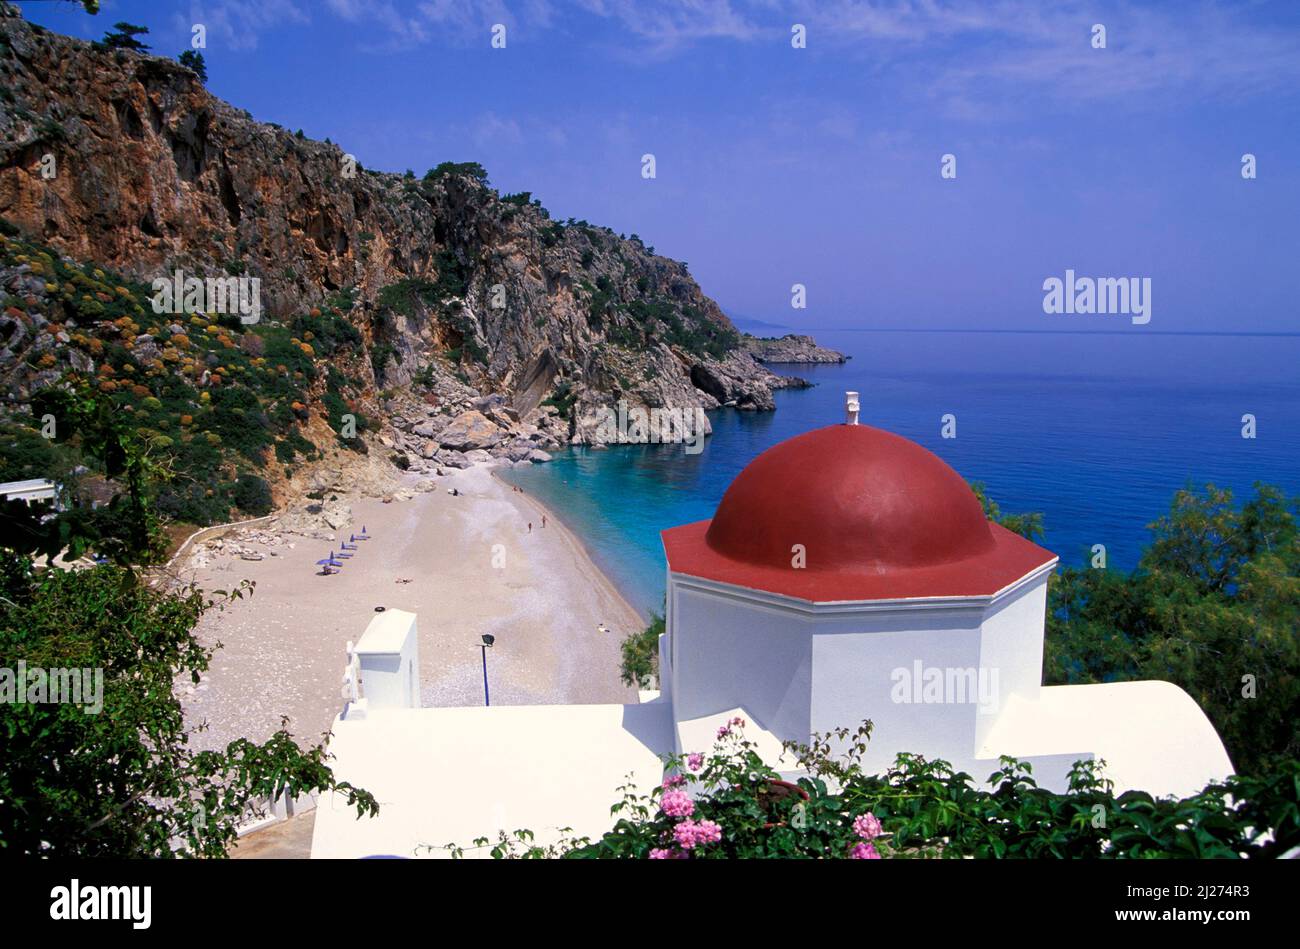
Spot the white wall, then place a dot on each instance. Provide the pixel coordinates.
(1012, 643)
(728, 652)
(803, 668)
(855, 658)
(389, 660)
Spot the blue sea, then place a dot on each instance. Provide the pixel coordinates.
(1095, 430)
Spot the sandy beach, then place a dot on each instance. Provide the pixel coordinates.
(437, 555)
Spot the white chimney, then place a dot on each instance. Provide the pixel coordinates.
(851, 408)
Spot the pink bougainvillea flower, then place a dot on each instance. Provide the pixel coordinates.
(863, 851)
(867, 825)
(684, 834)
(689, 834)
(725, 730)
(707, 832)
(659, 853)
(673, 780)
(677, 804)
(695, 761)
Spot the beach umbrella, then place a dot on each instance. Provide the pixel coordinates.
(345, 555)
(347, 546)
(329, 561)
(363, 535)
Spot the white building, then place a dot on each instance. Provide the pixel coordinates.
(848, 574)
(35, 489)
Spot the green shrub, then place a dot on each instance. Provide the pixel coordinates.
(252, 495)
(25, 455)
(404, 295)
(331, 334)
(237, 417)
(563, 398)
(641, 654)
(471, 168)
(380, 353)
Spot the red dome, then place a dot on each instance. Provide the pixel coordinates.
(877, 516)
(857, 498)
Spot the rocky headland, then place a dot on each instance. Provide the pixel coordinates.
(451, 323)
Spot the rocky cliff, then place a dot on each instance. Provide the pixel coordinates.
(450, 322)
(154, 174)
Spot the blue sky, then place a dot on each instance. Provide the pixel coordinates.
(821, 165)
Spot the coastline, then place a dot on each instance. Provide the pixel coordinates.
(465, 564)
(582, 549)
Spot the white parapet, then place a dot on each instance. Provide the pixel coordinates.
(388, 660)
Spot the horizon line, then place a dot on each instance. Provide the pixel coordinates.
(914, 329)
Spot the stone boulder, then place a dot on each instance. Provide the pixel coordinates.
(470, 430)
(454, 459)
(429, 427)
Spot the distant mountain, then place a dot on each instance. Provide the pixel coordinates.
(747, 324)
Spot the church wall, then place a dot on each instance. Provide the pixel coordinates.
(727, 652)
(1012, 643)
(865, 666)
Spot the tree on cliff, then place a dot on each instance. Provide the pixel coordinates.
(125, 37)
(192, 59)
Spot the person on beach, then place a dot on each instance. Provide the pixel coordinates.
(530, 527)
(543, 520)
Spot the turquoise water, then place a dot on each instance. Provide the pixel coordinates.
(1094, 430)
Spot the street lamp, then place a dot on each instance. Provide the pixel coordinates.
(488, 640)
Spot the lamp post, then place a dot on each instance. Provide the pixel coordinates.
(488, 640)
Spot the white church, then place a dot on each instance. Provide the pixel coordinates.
(847, 574)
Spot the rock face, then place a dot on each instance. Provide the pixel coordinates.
(500, 328)
(790, 348)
